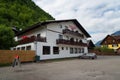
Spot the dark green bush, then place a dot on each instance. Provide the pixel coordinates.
(104, 49)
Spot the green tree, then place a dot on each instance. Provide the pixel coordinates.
(6, 37)
(21, 13)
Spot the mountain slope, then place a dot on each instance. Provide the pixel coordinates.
(116, 33)
(21, 13)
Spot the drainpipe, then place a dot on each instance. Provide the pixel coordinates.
(37, 58)
(35, 42)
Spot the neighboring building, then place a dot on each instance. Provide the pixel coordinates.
(90, 45)
(54, 39)
(112, 42)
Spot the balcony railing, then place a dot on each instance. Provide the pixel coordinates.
(68, 42)
(75, 33)
(32, 39)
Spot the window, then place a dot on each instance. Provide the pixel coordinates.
(67, 37)
(46, 50)
(105, 41)
(113, 40)
(55, 50)
(14, 48)
(60, 36)
(115, 45)
(66, 48)
(71, 50)
(75, 50)
(38, 35)
(66, 27)
(79, 50)
(23, 48)
(28, 48)
(82, 50)
(18, 48)
(76, 40)
(80, 41)
(72, 40)
(76, 31)
(60, 26)
(62, 48)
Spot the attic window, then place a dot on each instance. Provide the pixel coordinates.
(60, 26)
(38, 35)
(113, 40)
(105, 41)
(66, 27)
(76, 31)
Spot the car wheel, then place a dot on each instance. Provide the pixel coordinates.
(93, 58)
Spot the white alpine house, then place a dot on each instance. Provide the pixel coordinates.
(54, 39)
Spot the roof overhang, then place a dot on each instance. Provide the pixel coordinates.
(39, 24)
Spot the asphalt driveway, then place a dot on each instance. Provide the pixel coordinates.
(104, 68)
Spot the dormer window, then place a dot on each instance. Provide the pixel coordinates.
(80, 41)
(60, 36)
(105, 41)
(60, 26)
(113, 40)
(67, 37)
(38, 35)
(76, 31)
(76, 40)
(66, 27)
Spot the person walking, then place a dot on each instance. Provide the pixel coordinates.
(16, 61)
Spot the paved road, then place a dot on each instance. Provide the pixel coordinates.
(104, 68)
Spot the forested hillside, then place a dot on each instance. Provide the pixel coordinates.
(21, 13)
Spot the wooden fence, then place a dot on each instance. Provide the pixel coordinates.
(7, 56)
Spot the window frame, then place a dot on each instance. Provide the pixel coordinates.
(46, 50)
(55, 51)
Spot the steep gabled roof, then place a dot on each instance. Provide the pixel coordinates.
(116, 38)
(55, 21)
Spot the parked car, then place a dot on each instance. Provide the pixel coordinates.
(88, 56)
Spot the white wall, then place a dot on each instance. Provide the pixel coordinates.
(41, 30)
(25, 45)
(53, 31)
(62, 53)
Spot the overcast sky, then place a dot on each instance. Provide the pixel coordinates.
(98, 17)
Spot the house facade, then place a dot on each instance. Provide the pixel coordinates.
(54, 39)
(111, 41)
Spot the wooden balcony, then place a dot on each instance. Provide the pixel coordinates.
(32, 39)
(68, 42)
(74, 33)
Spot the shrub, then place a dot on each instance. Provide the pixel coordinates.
(104, 49)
